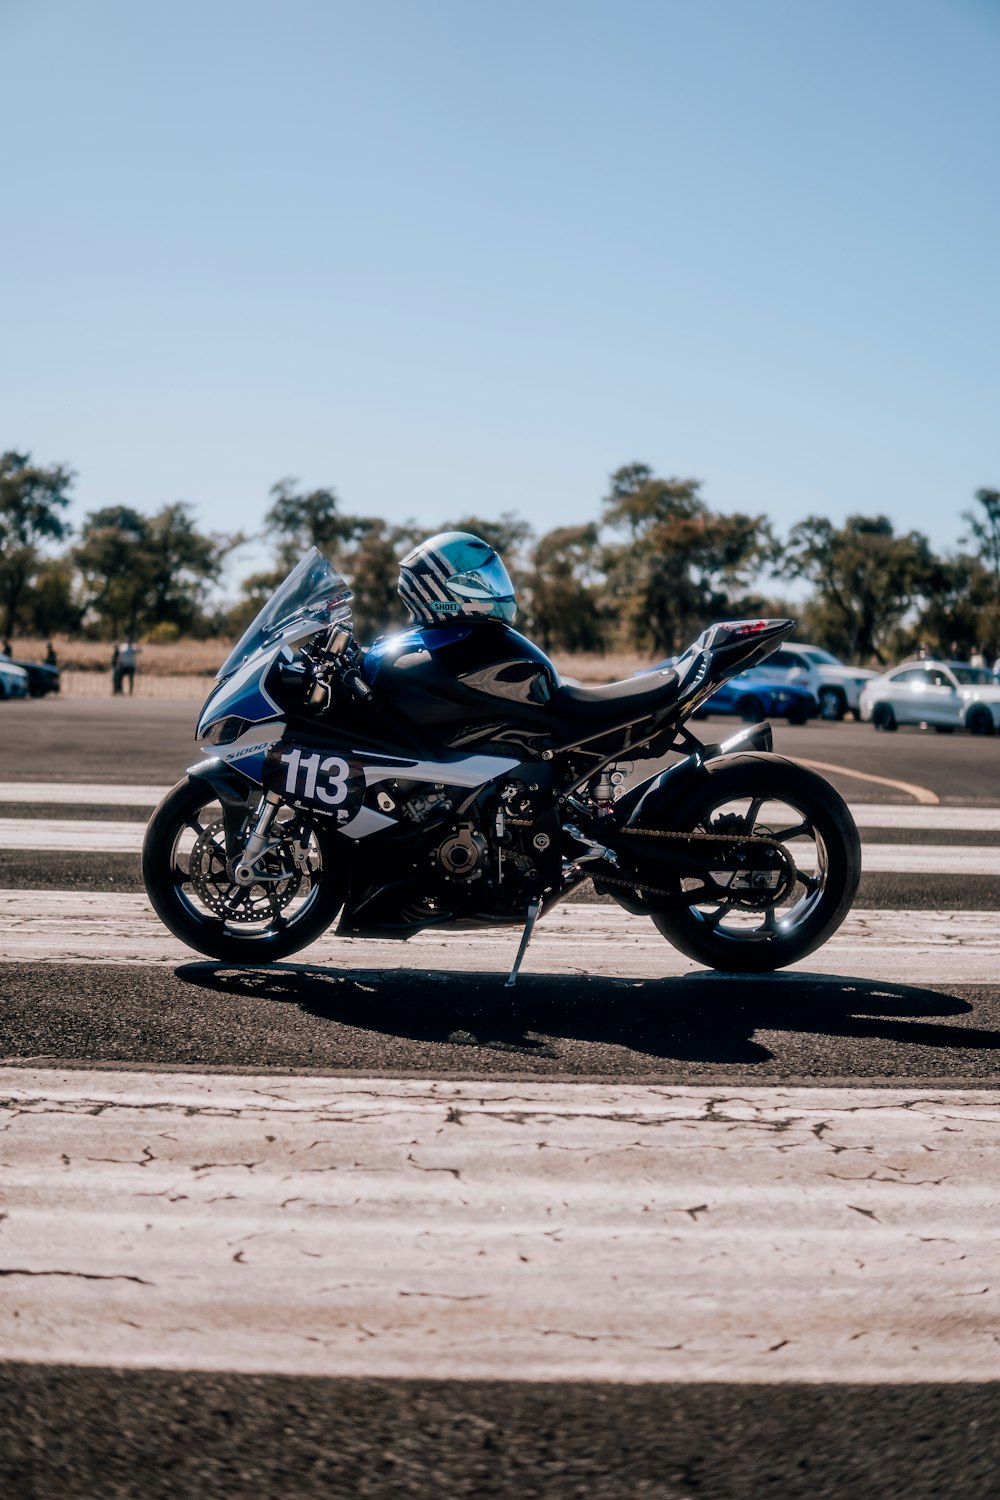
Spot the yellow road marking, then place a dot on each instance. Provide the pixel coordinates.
(918, 793)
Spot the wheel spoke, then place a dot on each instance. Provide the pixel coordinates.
(275, 905)
(240, 899)
(755, 806)
(713, 918)
(799, 830)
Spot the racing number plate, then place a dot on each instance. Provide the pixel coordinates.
(332, 783)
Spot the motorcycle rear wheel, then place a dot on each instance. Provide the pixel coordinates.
(184, 870)
(769, 795)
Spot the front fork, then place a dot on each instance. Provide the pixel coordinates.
(242, 868)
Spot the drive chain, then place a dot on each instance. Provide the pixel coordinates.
(659, 833)
(670, 833)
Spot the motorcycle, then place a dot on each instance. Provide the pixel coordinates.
(446, 777)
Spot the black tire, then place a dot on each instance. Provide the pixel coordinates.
(883, 718)
(798, 714)
(980, 720)
(832, 704)
(177, 899)
(944, 729)
(727, 936)
(751, 710)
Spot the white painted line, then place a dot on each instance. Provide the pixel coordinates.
(866, 814)
(897, 947)
(902, 816)
(931, 819)
(80, 793)
(387, 1228)
(930, 859)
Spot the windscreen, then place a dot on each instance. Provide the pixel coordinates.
(313, 590)
(974, 676)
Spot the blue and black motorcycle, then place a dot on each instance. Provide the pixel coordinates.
(446, 777)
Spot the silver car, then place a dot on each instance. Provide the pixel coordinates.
(944, 695)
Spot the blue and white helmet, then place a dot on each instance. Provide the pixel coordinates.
(455, 576)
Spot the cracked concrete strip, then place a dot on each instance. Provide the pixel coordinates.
(376, 1227)
(945, 947)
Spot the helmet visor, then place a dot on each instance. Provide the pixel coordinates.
(487, 582)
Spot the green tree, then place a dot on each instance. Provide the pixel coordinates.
(114, 558)
(564, 590)
(677, 564)
(985, 529)
(142, 571)
(372, 567)
(185, 562)
(313, 519)
(32, 499)
(364, 548)
(867, 579)
(50, 603)
(960, 611)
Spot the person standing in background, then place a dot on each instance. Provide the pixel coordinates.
(127, 663)
(116, 671)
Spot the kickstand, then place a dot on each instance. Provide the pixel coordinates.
(525, 940)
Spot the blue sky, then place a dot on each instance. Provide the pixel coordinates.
(452, 256)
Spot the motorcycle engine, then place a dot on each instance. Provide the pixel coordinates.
(460, 856)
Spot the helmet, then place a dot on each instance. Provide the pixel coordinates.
(455, 576)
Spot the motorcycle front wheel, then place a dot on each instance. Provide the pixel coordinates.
(765, 794)
(184, 867)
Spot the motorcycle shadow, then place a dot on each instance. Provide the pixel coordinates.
(704, 1017)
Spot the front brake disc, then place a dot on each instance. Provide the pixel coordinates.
(256, 902)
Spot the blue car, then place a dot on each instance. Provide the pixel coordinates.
(756, 694)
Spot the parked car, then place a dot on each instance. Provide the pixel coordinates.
(13, 679)
(836, 687)
(945, 695)
(42, 678)
(758, 694)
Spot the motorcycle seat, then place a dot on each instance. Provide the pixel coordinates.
(616, 702)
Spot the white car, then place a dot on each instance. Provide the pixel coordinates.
(945, 695)
(13, 680)
(836, 687)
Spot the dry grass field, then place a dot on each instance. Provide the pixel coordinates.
(182, 659)
(185, 668)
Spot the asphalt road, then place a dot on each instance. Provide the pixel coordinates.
(128, 740)
(80, 1433)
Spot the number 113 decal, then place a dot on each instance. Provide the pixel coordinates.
(316, 778)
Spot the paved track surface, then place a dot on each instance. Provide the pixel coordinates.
(910, 1012)
(136, 741)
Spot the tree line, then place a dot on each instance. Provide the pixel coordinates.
(655, 566)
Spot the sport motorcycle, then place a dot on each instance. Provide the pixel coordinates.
(446, 777)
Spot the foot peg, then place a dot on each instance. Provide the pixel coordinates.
(525, 940)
